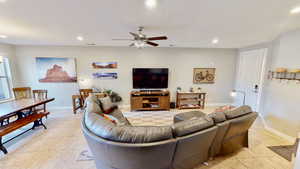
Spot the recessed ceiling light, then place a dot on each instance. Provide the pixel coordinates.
(3, 36)
(150, 3)
(80, 38)
(215, 41)
(295, 10)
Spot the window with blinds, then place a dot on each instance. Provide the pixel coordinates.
(5, 80)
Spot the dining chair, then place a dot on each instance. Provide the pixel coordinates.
(40, 94)
(22, 93)
(84, 93)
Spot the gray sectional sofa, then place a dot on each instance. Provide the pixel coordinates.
(183, 145)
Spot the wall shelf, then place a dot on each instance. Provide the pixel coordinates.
(294, 76)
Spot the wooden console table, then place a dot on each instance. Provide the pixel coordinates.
(190, 100)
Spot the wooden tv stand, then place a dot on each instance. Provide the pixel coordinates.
(150, 100)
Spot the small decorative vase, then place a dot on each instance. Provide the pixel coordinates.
(199, 89)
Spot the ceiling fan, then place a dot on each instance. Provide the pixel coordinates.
(140, 39)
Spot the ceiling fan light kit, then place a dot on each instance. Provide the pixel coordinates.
(140, 40)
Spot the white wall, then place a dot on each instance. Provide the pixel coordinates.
(281, 101)
(180, 62)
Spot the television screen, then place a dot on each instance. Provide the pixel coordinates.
(150, 78)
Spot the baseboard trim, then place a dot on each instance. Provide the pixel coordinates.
(276, 132)
(218, 104)
(60, 108)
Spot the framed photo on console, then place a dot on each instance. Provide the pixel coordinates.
(204, 75)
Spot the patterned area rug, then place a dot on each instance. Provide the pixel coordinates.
(150, 118)
(286, 151)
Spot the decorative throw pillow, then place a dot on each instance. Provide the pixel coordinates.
(224, 108)
(106, 105)
(108, 117)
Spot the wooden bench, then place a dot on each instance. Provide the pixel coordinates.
(36, 118)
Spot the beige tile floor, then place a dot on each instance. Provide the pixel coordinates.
(59, 148)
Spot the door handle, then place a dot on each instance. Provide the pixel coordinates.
(256, 89)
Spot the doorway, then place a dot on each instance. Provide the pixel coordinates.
(250, 77)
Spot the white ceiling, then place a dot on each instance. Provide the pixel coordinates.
(187, 23)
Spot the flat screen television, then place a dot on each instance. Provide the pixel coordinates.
(150, 78)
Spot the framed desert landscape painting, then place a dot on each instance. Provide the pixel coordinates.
(53, 70)
(105, 65)
(106, 76)
(204, 75)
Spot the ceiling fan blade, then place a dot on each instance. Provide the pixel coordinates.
(124, 39)
(151, 43)
(158, 38)
(134, 34)
(131, 45)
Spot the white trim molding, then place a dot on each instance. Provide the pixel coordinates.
(276, 132)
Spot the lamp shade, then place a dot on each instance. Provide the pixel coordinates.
(233, 93)
(1, 59)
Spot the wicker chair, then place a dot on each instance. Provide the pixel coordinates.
(22, 93)
(84, 93)
(40, 94)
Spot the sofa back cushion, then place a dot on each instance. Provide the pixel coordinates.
(237, 112)
(192, 149)
(218, 117)
(240, 125)
(126, 134)
(191, 126)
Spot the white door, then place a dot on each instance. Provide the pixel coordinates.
(250, 77)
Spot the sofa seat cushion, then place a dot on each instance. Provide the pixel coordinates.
(218, 117)
(237, 112)
(191, 126)
(126, 134)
